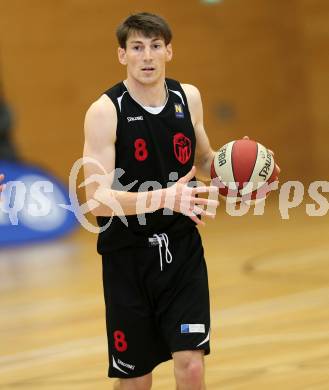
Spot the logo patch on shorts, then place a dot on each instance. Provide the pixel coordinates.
(192, 328)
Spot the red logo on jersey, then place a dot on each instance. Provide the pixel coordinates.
(182, 148)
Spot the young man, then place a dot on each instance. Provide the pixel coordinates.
(154, 272)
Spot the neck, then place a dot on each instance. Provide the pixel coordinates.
(153, 95)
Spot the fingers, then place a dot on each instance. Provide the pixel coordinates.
(276, 165)
(198, 211)
(206, 202)
(197, 204)
(194, 215)
(188, 177)
(202, 189)
(278, 168)
(197, 220)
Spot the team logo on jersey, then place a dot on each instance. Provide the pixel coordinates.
(179, 110)
(182, 148)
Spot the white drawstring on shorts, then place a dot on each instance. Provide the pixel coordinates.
(159, 238)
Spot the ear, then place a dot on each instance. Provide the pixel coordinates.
(122, 56)
(169, 52)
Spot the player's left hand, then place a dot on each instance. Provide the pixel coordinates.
(272, 153)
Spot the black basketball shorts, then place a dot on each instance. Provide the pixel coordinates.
(157, 303)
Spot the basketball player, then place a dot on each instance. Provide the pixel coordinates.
(154, 272)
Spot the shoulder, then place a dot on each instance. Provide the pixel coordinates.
(191, 90)
(193, 98)
(103, 107)
(101, 117)
(193, 95)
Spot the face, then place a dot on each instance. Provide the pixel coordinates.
(145, 58)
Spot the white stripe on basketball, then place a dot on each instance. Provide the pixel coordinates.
(223, 165)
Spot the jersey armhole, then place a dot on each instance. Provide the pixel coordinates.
(176, 85)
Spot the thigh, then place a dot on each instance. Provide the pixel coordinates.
(135, 344)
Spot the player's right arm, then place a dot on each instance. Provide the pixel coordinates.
(100, 136)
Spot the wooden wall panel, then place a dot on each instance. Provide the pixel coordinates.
(265, 61)
(314, 15)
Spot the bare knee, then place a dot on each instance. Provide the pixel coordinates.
(189, 370)
(140, 383)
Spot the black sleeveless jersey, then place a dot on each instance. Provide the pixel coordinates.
(149, 148)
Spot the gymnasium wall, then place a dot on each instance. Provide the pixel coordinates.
(261, 66)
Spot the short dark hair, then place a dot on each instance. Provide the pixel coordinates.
(149, 25)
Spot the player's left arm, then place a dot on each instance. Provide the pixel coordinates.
(204, 154)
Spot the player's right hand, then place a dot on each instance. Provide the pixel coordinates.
(183, 199)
